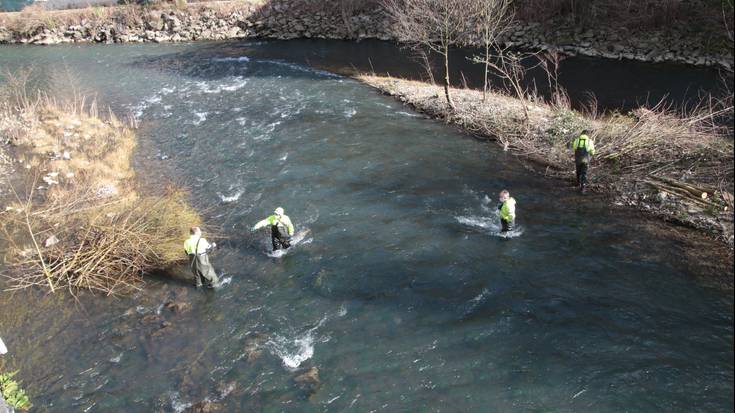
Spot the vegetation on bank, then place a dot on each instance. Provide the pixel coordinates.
(13, 394)
(676, 166)
(77, 219)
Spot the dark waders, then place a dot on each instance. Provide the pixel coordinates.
(280, 238)
(506, 225)
(582, 162)
(203, 271)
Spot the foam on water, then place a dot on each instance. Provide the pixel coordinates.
(298, 239)
(231, 198)
(475, 302)
(200, 117)
(231, 59)
(294, 351)
(178, 405)
(300, 68)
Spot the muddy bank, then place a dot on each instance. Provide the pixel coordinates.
(291, 19)
(640, 179)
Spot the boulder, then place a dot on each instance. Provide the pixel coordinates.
(178, 307)
(4, 407)
(309, 379)
(204, 406)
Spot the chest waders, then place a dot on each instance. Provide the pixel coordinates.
(201, 268)
(505, 226)
(279, 239)
(581, 163)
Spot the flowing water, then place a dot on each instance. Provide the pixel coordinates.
(401, 294)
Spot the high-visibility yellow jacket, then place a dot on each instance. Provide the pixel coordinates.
(584, 142)
(196, 245)
(275, 220)
(508, 210)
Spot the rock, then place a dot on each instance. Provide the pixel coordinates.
(5, 35)
(51, 241)
(4, 407)
(309, 379)
(204, 406)
(150, 319)
(166, 327)
(178, 307)
(253, 347)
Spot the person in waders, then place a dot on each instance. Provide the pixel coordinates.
(197, 249)
(281, 229)
(507, 210)
(584, 150)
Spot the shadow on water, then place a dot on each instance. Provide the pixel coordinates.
(615, 84)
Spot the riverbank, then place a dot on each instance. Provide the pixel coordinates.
(74, 217)
(291, 19)
(660, 165)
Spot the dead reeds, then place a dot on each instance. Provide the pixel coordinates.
(78, 221)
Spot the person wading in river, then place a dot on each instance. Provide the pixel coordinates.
(281, 229)
(507, 210)
(197, 248)
(584, 149)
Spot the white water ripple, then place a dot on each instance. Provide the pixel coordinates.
(294, 351)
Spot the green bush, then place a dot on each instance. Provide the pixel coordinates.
(12, 393)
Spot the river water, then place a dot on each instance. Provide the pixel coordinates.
(401, 295)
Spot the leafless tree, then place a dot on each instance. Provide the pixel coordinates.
(727, 13)
(492, 19)
(435, 25)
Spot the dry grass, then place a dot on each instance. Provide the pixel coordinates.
(78, 222)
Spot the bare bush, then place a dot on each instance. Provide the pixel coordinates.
(78, 221)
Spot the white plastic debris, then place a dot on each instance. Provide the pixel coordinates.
(51, 241)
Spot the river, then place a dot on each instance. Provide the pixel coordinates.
(402, 295)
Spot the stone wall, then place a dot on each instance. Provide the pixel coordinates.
(289, 19)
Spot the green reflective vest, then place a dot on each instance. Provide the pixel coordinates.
(196, 245)
(508, 210)
(584, 142)
(275, 220)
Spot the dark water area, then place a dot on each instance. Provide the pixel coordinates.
(403, 295)
(615, 84)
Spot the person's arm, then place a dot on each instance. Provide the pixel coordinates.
(286, 220)
(203, 244)
(262, 224)
(512, 210)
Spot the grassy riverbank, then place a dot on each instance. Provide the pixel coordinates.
(650, 160)
(76, 219)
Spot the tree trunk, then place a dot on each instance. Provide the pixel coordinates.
(446, 76)
(487, 69)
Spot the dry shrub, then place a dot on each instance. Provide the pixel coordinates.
(650, 140)
(79, 222)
